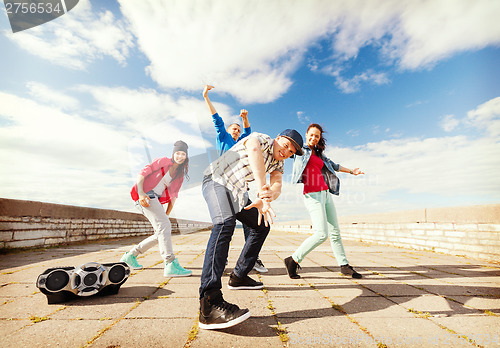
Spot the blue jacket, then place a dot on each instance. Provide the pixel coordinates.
(224, 140)
(328, 170)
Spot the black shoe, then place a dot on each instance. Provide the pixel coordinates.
(291, 267)
(347, 270)
(245, 283)
(215, 313)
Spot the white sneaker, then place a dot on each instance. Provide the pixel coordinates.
(259, 267)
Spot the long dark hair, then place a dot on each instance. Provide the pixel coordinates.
(182, 169)
(321, 145)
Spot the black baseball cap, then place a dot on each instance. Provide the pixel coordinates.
(295, 138)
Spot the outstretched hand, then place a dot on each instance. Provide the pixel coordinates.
(206, 89)
(243, 113)
(264, 208)
(357, 171)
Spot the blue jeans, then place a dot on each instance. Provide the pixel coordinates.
(246, 229)
(223, 212)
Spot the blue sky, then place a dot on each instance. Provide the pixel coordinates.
(407, 91)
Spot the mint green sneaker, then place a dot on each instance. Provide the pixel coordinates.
(130, 260)
(173, 269)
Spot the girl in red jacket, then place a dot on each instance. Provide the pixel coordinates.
(159, 183)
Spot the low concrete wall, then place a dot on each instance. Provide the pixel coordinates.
(25, 224)
(470, 231)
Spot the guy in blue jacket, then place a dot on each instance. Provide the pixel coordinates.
(226, 138)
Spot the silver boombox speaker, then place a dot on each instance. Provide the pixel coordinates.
(64, 283)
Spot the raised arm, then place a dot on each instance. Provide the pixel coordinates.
(207, 100)
(244, 117)
(256, 160)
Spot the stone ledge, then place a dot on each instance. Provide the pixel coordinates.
(20, 208)
(484, 214)
(35, 224)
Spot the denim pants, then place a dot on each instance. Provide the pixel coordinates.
(156, 215)
(325, 224)
(224, 212)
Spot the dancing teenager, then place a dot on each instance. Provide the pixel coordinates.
(224, 187)
(317, 172)
(159, 183)
(226, 138)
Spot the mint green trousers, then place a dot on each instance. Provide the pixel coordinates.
(325, 224)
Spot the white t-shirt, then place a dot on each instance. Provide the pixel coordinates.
(163, 184)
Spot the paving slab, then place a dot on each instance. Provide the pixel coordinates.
(170, 332)
(324, 331)
(406, 298)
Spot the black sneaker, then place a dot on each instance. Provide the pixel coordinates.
(291, 267)
(347, 270)
(215, 313)
(245, 283)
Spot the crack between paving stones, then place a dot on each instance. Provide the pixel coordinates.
(139, 302)
(417, 314)
(339, 308)
(193, 332)
(280, 330)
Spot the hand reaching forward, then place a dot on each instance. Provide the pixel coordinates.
(357, 171)
(264, 208)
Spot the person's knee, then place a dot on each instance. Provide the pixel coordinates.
(229, 222)
(321, 239)
(164, 227)
(335, 238)
(220, 220)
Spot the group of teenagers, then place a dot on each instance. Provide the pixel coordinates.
(243, 157)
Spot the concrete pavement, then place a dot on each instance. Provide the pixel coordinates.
(406, 298)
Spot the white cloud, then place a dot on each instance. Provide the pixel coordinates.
(449, 123)
(410, 34)
(486, 117)
(429, 31)
(460, 170)
(74, 160)
(50, 132)
(354, 84)
(302, 117)
(250, 53)
(260, 45)
(191, 205)
(353, 132)
(417, 103)
(156, 116)
(256, 47)
(89, 157)
(416, 34)
(50, 155)
(77, 38)
(445, 167)
(49, 96)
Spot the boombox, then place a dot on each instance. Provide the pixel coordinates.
(64, 283)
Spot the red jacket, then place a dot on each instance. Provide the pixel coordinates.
(153, 173)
